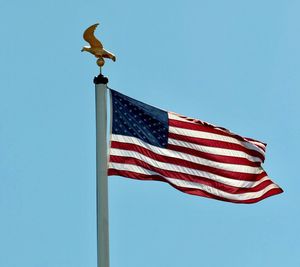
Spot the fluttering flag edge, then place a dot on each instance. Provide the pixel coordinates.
(270, 189)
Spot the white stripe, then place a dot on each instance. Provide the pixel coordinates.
(188, 171)
(253, 145)
(212, 136)
(173, 116)
(184, 170)
(188, 184)
(180, 155)
(259, 144)
(214, 150)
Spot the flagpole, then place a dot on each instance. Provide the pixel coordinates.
(101, 168)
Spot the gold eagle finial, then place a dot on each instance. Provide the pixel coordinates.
(96, 48)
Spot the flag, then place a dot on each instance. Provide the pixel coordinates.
(195, 157)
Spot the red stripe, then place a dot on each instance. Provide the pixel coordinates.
(201, 126)
(216, 143)
(188, 164)
(204, 127)
(217, 158)
(196, 192)
(188, 177)
(204, 155)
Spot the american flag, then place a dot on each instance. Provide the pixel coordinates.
(191, 155)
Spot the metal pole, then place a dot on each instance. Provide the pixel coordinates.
(101, 165)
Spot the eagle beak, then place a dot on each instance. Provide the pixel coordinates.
(82, 50)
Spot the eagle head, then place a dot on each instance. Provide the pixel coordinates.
(84, 49)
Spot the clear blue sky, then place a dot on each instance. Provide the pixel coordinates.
(232, 63)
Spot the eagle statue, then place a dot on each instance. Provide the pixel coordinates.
(96, 48)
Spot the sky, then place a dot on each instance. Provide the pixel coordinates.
(231, 63)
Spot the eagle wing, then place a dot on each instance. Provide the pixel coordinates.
(89, 36)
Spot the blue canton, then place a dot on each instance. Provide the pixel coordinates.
(134, 118)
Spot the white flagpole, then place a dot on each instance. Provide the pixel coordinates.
(101, 166)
